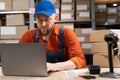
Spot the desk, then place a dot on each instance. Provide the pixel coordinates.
(57, 76)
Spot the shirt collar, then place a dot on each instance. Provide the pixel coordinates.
(56, 29)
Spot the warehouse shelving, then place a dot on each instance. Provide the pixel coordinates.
(92, 16)
(13, 12)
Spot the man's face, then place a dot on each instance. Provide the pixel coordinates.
(45, 24)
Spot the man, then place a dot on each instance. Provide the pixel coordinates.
(63, 48)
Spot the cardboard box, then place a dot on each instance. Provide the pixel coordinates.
(83, 39)
(82, 1)
(118, 17)
(19, 5)
(15, 19)
(112, 19)
(83, 15)
(83, 6)
(118, 8)
(86, 47)
(12, 32)
(56, 3)
(102, 61)
(101, 1)
(101, 48)
(98, 35)
(83, 31)
(100, 8)
(67, 6)
(100, 17)
(67, 1)
(111, 10)
(6, 5)
(67, 15)
(68, 25)
(0, 22)
(115, 1)
(86, 51)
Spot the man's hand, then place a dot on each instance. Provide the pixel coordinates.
(52, 67)
(60, 66)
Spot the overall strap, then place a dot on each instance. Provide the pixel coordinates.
(36, 39)
(61, 38)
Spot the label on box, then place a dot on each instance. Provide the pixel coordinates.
(66, 7)
(84, 14)
(66, 0)
(66, 16)
(102, 6)
(86, 45)
(57, 10)
(86, 31)
(111, 20)
(82, 7)
(81, 39)
(8, 31)
(2, 5)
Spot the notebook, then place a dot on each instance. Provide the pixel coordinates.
(23, 59)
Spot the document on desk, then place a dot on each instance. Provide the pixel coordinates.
(75, 72)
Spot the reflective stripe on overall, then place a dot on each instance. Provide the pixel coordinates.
(54, 57)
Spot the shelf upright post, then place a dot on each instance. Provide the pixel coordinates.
(92, 14)
(31, 17)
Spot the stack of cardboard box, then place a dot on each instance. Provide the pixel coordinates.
(112, 15)
(105, 13)
(14, 24)
(67, 10)
(14, 5)
(83, 10)
(83, 35)
(99, 48)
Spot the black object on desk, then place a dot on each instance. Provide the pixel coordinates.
(111, 40)
(88, 77)
(94, 69)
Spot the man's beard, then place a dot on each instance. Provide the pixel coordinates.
(45, 32)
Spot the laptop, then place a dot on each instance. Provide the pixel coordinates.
(23, 59)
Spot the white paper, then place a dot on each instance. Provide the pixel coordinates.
(66, 7)
(84, 14)
(102, 6)
(66, 16)
(75, 73)
(8, 30)
(2, 5)
(82, 7)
